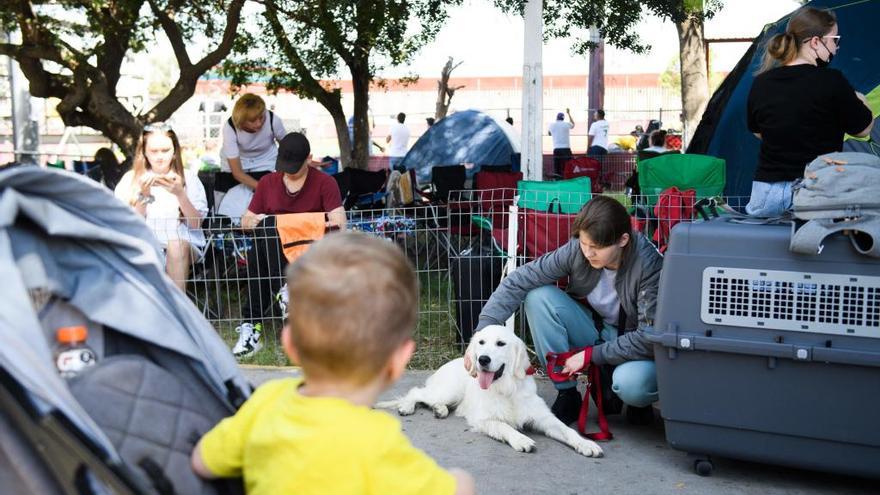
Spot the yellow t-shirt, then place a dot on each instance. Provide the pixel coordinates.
(283, 442)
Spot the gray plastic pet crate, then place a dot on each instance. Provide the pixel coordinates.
(769, 356)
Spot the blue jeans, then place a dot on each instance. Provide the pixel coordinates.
(769, 199)
(559, 323)
(394, 163)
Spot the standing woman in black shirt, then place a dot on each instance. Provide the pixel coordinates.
(799, 108)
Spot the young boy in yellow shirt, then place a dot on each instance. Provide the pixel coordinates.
(353, 307)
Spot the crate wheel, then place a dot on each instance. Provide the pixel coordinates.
(703, 467)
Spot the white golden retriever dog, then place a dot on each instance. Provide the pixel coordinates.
(495, 396)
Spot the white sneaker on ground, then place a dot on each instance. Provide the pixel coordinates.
(248, 340)
(283, 298)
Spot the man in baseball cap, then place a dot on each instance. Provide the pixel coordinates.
(293, 152)
(296, 186)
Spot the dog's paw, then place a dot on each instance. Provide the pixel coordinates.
(441, 411)
(406, 409)
(522, 443)
(588, 448)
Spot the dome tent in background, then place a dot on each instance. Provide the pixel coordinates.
(723, 131)
(469, 136)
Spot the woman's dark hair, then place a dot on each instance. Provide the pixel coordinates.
(805, 23)
(604, 220)
(658, 138)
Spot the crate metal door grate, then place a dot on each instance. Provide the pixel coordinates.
(805, 302)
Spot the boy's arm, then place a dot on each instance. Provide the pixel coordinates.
(464, 482)
(198, 464)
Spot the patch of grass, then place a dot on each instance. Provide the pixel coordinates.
(435, 333)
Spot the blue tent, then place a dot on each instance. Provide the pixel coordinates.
(723, 131)
(469, 136)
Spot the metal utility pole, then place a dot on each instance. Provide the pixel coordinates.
(532, 92)
(597, 76)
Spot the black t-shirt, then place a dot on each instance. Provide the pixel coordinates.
(801, 112)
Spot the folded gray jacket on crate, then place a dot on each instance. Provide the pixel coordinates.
(839, 192)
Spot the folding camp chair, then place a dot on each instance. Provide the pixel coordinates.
(362, 189)
(706, 175)
(586, 166)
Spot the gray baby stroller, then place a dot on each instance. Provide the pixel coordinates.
(71, 254)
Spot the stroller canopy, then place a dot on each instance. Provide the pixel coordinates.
(68, 238)
(723, 131)
(469, 136)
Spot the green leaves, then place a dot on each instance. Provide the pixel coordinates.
(616, 20)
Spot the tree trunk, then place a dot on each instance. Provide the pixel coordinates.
(694, 76)
(360, 80)
(444, 92)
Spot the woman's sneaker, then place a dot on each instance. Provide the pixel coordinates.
(248, 340)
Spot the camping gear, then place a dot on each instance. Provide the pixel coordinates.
(585, 167)
(72, 254)
(673, 207)
(469, 136)
(839, 192)
(561, 196)
(838, 185)
(766, 355)
(704, 174)
(722, 131)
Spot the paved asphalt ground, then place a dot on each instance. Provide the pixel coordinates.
(637, 461)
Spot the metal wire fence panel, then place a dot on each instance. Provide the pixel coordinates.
(460, 251)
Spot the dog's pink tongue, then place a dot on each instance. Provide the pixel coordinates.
(486, 378)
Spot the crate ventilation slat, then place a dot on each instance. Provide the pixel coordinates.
(798, 301)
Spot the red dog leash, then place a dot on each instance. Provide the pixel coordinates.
(594, 386)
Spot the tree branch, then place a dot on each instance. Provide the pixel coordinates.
(312, 86)
(172, 31)
(190, 73)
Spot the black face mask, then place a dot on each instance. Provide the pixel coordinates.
(824, 63)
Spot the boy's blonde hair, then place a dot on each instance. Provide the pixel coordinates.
(247, 108)
(353, 301)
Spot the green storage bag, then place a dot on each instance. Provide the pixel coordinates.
(705, 174)
(561, 196)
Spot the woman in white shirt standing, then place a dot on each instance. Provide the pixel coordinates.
(170, 198)
(249, 149)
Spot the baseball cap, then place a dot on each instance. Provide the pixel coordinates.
(560, 116)
(292, 153)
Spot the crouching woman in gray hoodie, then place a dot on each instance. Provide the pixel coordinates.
(611, 294)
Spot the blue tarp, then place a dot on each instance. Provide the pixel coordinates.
(723, 131)
(469, 136)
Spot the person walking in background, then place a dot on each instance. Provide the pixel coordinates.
(597, 138)
(398, 139)
(799, 108)
(560, 131)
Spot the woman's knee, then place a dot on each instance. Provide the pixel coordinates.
(542, 297)
(178, 252)
(635, 382)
